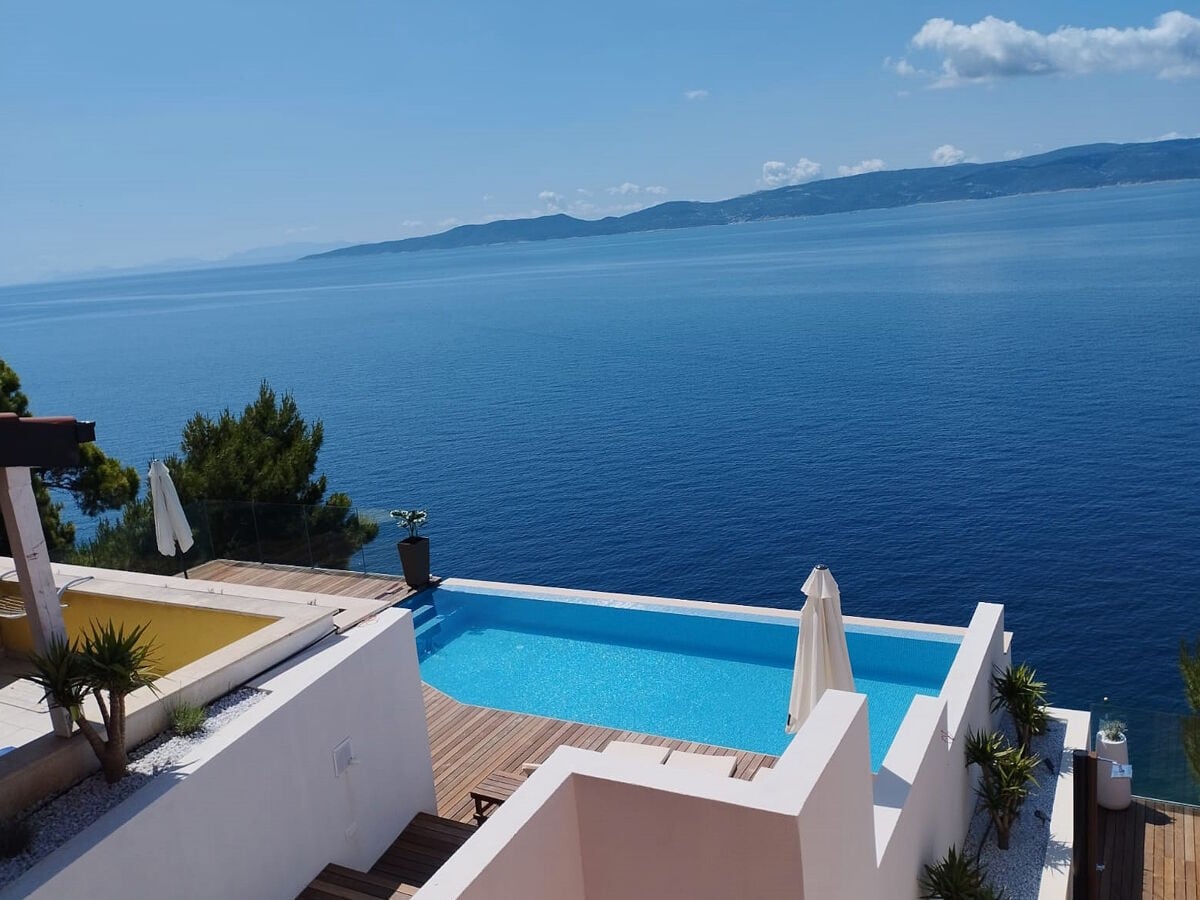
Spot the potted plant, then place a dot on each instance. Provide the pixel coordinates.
(414, 549)
(1112, 748)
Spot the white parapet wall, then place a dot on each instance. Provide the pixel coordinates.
(261, 808)
(589, 826)
(924, 792)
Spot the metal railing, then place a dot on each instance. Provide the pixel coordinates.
(321, 536)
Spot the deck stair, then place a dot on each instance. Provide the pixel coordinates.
(422, 848)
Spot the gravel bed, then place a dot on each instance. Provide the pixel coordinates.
(59, 818)
(1018, 870)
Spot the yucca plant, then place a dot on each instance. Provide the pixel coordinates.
(1024, 697)
(1007, 772)
(107, 664)
(955, 877)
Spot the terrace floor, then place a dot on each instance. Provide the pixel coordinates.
(471, 742)
(1150, 850)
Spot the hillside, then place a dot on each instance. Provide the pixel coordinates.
(1089, 166)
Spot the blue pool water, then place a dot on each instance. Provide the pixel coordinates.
(694, 676)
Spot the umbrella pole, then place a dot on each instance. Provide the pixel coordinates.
(179, 556)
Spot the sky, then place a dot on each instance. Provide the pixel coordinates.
(137, 132)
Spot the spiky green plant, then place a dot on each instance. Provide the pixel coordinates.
(1007, 772)
(59, 673)
(1112, 729)
(187, 718)
(956, 877)
(108, 664)
(982, 748)
(1018, 691)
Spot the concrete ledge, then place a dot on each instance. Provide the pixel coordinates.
(758, 613)
(1056, 869)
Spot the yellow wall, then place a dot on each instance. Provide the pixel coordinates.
(181, 634)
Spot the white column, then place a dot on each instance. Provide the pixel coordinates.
(31, 557)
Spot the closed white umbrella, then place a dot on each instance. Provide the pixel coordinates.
(171, 529)
(822, 658)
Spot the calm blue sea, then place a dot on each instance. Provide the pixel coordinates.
(971, 401)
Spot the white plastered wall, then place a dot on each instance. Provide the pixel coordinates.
(924, 793)
(259, 811)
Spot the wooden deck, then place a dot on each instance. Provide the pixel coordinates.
(1150, 851)
(422, 848)
(361, 595)
(297, 578)
(471, 742)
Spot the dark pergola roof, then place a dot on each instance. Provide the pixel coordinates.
(42, 442)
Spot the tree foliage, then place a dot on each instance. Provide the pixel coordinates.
(267, 454)
(249, 482)
(1189, 670)
(98, 484)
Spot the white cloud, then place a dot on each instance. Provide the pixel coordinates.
(867, 165)
(656, 190)
(993, 48)
(452, 222)
(697, 94)
(583, 191)
(947, 155)
(411, 223)
(487, 198)
(778, 174)
(555, 202)
(628, 189)
(1013, 154)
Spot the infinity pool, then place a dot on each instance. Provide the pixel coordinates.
(690, 673)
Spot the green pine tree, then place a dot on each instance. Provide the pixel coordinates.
(98, 484)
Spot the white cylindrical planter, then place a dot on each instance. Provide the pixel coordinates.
(1112, 793)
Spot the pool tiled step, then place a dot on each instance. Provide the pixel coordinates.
(430, 633)
(422, 614)
(428, 627)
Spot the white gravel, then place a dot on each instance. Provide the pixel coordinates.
(1018, 870)
(58, 819)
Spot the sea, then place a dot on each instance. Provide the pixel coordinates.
(953, 403)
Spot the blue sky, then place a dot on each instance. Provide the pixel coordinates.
(137, 132)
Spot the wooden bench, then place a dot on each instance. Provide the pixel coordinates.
(493, 791)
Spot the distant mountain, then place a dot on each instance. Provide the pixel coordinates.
(256, 256)
(1089, 166)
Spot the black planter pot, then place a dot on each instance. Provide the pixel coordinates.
(414, 559)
